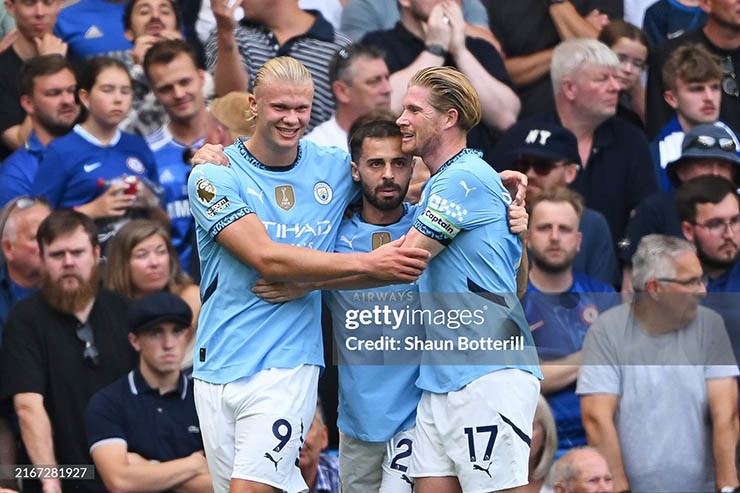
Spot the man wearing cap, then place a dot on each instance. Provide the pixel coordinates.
(706, 150)
(142, 429)
(548, 154)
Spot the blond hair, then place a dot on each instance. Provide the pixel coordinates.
(450, 89)
(233, 112)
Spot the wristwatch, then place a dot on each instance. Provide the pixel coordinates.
(436, 49)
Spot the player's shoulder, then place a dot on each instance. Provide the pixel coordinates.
(318, 154)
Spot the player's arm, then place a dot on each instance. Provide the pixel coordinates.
(560, 373)
(277, 261)
(722, 397)
(597, 413)
(36, 434)
(229, 73)
(119, 475)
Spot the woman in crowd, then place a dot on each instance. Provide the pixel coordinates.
(141, 260)
(96, 168)
(631, 46)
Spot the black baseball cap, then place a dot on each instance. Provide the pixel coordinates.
(155, 308)
(538, 138)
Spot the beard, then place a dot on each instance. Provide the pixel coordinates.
(546, 265)
(714, 263)
(70, 300)
(382, 204)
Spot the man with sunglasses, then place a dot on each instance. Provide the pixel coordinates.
(721, 36)
(548, 154)
(61, 345)
(707, 150)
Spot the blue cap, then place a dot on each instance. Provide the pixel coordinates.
(706, 141)
(155, 308)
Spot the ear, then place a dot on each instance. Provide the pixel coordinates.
(253, 104)
(134, 340)
(579, 235)
(571, 171)
(202, 76)
(129, 35)
(6, 247)
(341, 91)
(84, 97)
(324, 437)
(652, 288)
(688, 230)
(10, 7)
(670, 98)
(568, 87)
(26, 104)
(452, 118)
(355, 172)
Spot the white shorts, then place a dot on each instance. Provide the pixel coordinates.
(480, 433)
(253, 428)
(372, 467)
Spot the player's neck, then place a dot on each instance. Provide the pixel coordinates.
(373, 215)
(271, 156)
(446, 150)
(551, 282)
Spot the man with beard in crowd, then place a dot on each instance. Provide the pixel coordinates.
(72, 331)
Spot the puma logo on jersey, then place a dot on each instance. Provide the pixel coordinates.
(476, 467)
(251, 191)
(465, 186)
(348, 241)
(269, 457)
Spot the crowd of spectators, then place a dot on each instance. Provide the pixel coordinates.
(622, 115)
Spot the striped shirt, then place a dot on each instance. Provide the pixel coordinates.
(314, 49)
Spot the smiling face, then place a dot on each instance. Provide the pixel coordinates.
(282, 110)
(178, 86)
(421, 123)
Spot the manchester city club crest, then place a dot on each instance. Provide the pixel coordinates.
(285, 197)
(322, 192)
(380, 238)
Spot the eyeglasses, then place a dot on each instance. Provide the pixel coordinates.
(729, 80)
(694, 282)
(19, 203)
(636, 62)
(706, 142)
(542, 167)
(90, 353)
(718, 226)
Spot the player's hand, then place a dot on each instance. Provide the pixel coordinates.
(112, 203)
(597, 19)
(278, 291)
(516, 184)
(398, 264)
(518, 218)
(210, 153)
(48, 44)
(437, 29)
(225, 16)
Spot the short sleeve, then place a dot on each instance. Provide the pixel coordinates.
(23, 368)
(215, 198)
(459, 200)
(104, 419)
(599, 372)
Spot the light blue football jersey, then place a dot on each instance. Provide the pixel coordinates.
(476, 324)
(302, 204)
(377, 391)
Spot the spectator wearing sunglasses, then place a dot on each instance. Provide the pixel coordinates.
(155, 395)
(721, 36)
(20, 264)
(706, 150)
(61, 345)
(548, 154)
